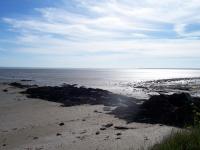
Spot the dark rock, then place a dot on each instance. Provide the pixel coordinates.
(5, 90)
(179, 100)
(95, 111)
(97, 133)
(102, 128)
(4, 145)
(35, 138)
(71, 95)
(58, 134)
(25, 80)
(118, 134)
(39, 148)
(21, 86)
(108, 125)
(121, 128)
(176, 110)
(61, 124)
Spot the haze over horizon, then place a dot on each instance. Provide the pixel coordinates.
(100, 33)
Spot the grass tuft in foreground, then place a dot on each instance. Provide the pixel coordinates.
(182, 140)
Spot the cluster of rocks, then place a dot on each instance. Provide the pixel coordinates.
(176, 109)
(71, 95)
(169, 86)
(21, 86)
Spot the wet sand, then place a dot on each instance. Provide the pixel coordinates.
(35, 124)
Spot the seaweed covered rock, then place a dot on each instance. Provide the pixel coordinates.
(18, 85)
(176, 109)
(71, 95)
(21, 86)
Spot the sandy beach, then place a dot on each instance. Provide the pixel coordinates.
(35, 124)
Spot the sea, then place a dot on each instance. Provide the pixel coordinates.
(114, 80)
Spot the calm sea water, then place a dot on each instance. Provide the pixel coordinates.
(101, 78)
(114, 80)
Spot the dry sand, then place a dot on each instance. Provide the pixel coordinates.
(33, 124)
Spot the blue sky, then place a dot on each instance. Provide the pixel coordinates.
(100, 33)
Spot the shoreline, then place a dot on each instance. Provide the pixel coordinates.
(139, 90)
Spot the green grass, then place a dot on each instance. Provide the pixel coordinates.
(181, 140)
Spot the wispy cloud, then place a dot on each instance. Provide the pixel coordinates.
(143, 28)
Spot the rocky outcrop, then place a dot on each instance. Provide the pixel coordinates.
(71, 95)
(176, 110)
(21, 86)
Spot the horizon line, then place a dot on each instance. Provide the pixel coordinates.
(180, 68)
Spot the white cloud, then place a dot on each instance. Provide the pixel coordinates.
(118, 26)
(137, 48)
